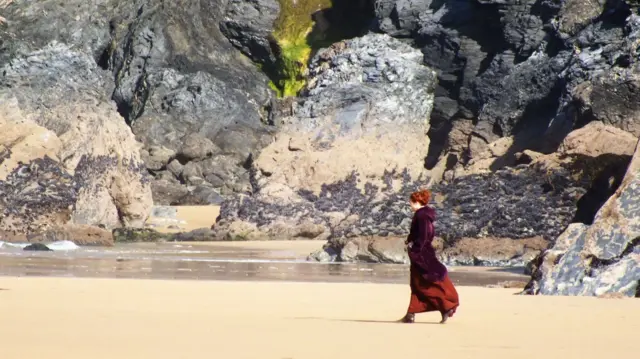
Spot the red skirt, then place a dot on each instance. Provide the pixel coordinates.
(429, 296)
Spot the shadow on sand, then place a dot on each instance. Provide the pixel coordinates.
(361, 320)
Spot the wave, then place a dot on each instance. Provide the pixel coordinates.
(54, 246)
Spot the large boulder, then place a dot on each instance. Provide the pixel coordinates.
(66, 156)
(365, 110)
(601, 258)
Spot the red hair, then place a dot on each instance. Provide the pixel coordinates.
(422, 197)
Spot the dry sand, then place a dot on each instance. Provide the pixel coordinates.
(107, 318)
(187, 219)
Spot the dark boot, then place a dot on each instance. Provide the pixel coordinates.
(446, 315)
(409, 318)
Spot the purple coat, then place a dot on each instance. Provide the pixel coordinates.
(421, 252)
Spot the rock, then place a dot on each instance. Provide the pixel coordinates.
(157, 157)
(168, 192)
(248, 26)
(197, 147)
(541, 70)
(238, 231)
(168, 67)
(501, 252)
(596, 139)
(36, 247)
(202, 195)
(467, 251)
(68, 140)
(176, 168)
(601, 258)
(81, 235)
(196, 235)
(365, 110)
(127, 235)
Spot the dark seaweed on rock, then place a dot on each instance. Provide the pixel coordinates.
(38, 188)
(510, 203)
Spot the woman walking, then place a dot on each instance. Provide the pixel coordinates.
(431, 288)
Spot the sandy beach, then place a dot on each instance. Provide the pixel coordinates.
(187, 218)
(105, 318)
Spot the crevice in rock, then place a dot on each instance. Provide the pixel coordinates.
(341, 20)
(615, 13)
(532, 126)
(605, 174)
(438, 134)
(599, 263)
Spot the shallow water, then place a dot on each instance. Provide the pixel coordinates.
(211, 262)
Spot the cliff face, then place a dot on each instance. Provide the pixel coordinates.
(67, 158)
(195, 103)
(534, 70)
(601, 258)
(521, 117)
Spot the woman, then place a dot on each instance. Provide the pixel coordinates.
(431, 288)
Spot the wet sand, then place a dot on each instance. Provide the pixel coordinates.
(57, 318)
(245, 261)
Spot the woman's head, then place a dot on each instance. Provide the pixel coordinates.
(419, 199)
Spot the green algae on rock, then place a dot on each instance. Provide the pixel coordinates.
(291, 32)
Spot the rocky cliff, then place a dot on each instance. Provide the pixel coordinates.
(67, 157)
(195, 103)
(601, 258)
(521, 117)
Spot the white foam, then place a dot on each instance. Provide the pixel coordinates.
(63, 246)
(55, 246)
(12, 245)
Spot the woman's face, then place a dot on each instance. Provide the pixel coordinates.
(415, 206)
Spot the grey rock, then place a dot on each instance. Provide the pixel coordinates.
(202, 195)
(196, 235)
(518, 69)
(157, 157)
(248, 25)
(601, 258)
(197, 147)
(175, 168)
(168, 192)
(170, 69)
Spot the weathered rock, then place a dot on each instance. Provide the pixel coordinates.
(170, 70)
(488, 204)
(366, 109)
(537, 72)
(133, 235)
(466, 251)
(81, 235)
(68, 157)
(248, 25)
(196, 235)
(601, 258)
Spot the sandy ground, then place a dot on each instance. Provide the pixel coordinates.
(106, 318)
(188, 218)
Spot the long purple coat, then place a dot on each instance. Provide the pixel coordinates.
(421, 253)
